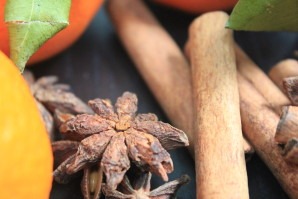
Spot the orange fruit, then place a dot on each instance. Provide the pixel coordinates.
(81, 14)
(199, 6)
(25, 150)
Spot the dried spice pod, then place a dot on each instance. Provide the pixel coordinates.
(62, 100)
(63, 149)
(55, 95)
(85, 125)
(141, 188)
(60, 117)
(115, 158)
(111, 127)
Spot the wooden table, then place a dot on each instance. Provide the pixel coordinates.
(98, 66)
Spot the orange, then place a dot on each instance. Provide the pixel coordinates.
(199, 6)
(81, 14)
(26, 161)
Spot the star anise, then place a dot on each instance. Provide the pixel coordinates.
(112, 137)
(141, 188)
(51, 96)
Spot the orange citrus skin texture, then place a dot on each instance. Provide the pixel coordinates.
(25, 150)
(199, 6)
(81, 14)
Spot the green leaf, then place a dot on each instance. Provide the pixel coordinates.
(31, 23)
(264, 15)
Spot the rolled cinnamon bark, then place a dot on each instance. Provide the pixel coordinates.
(283, 69)
(219, 157)
(259, 123)
(261, 81)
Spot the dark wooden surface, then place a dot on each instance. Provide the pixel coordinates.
(98, 66)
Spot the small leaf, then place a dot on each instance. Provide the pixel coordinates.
(31, 23)
(265, 15)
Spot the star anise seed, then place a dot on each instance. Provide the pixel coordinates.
(113, 136)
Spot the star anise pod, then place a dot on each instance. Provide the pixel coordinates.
(113, 137)
(141, 188)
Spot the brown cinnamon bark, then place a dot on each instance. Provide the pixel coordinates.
(290, 85)
(283, 69)
(218, 139)
(158, 59)
(288, 125)
(259, 123)
(261, 81)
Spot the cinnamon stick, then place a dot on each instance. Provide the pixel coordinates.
(261, 81)
(283, 69)
(259, 123)
(219, 157)
(288, 125)
(290, 85)
(158, 59)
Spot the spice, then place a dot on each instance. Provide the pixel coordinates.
(141, 188)
(52, 96)
(57, 96)
(112, 137)
(218, 137)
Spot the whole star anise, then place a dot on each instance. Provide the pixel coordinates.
(112, 137)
